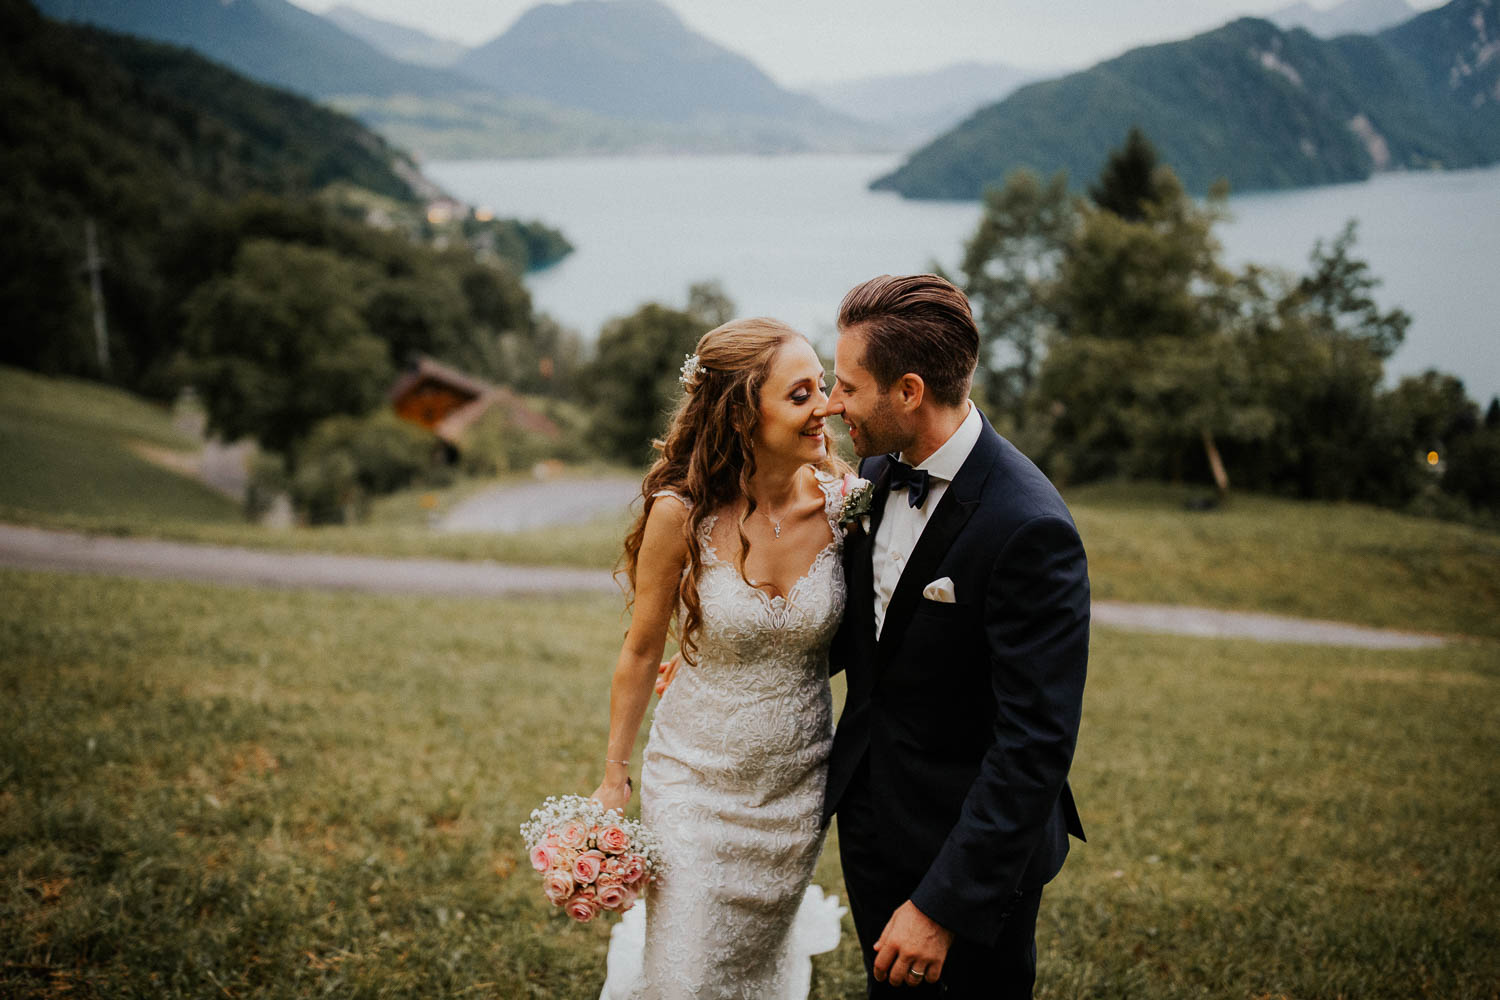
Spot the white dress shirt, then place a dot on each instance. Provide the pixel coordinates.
(901, 525)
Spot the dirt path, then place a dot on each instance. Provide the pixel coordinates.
(39, 549)
(35, 548)
(523, 506)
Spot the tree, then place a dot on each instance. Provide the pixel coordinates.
(1473, 469)
(1010, 268)
(633, 378)
(346, 460)
(280, 343)
(1432, 410)
(1128, 183)
(1145, 370)
(1337, 295)
(42, 297)
(424, 313)
(708, 303)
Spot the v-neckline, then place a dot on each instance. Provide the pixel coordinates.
(713, 557)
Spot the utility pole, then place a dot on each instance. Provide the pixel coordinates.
(94, 264)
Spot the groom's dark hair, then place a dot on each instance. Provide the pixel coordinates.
(917, 323)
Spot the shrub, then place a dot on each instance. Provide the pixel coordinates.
(347, 460)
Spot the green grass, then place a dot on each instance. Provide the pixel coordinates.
(65, 449)
(216, 791)
(63, 445)
(1321, 560)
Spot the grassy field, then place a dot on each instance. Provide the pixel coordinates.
(221, 792)
(64, 445)
(1321, 560)
(65, 449)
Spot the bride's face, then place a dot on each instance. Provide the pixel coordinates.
(791, 402)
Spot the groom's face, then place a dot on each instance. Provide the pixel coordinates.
(870, 413)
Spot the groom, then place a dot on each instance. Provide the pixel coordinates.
(964, 645)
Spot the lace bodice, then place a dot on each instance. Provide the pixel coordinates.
(733, 784)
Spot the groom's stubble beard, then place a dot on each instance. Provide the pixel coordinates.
(880, 431)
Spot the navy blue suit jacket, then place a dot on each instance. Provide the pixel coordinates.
(967, 713)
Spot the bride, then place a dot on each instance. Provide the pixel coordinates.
(738, 545)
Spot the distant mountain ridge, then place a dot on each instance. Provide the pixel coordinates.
(1352, 17)
(397, 40)
(584, 77)
(637, 60)
(919, 106)
(1250, 103)
(272, 41)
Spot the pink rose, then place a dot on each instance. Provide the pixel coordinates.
(628, 901)
(848, 484)
(611, 897)
(608, 878)
(551, 839)
(632, 868)
(613, 840)
(573, 836)
(586, 866)
(557, 886)
(581, 908)
(543, 856)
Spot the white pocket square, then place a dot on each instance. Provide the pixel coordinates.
(940, 590)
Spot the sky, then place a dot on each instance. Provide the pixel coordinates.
(806, 41)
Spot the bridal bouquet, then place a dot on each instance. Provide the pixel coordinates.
(590, 859)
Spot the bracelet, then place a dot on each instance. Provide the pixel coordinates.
(625, 762)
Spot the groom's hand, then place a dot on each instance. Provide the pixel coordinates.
(911, 943)
(666, 673)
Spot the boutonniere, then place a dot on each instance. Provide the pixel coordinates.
(857, 494)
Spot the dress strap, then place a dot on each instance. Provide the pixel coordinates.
(675, 496)
(833, 497)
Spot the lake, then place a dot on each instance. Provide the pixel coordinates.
(786, 236)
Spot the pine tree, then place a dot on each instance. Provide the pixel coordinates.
(1128, 181)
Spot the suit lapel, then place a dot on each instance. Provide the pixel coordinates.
(959, 502)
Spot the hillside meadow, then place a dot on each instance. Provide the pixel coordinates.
(270, 793)
(70, 451)
(274, 793)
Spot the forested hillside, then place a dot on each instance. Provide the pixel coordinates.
(178, 165)
(273, 41)
(1249, 103)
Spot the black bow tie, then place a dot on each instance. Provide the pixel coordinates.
(914, 481)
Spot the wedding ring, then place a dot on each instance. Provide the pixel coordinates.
(914, 974)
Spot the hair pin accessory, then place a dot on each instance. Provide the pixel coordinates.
(692, 371)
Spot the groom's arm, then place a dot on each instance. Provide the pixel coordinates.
(1036, 636)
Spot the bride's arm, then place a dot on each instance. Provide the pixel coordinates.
(658, 572)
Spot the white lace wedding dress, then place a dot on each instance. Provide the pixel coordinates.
(733, 785)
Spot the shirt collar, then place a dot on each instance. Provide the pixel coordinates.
(949, 458)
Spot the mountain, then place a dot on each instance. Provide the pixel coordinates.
(636, 61)
(588, 77)
(918, 106)
(271, 40)
(132, 138)
(99, 105)
(168, 165)
(397, 40)
(1352, 17)
(1250, 103)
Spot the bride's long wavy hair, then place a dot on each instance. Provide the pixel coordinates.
(707, 455)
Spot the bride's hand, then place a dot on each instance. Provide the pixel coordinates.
(614, 794)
